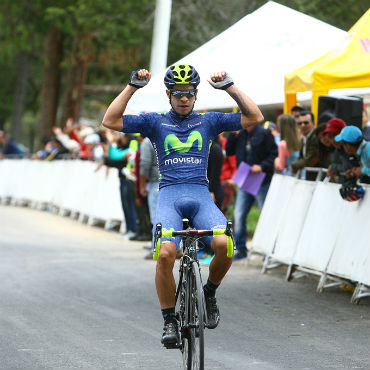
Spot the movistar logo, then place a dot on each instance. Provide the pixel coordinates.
(181, 147)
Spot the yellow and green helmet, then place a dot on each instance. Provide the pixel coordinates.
(181, 74)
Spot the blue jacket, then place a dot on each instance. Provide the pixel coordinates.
(11, 148)
(364, 153)
(254, 147)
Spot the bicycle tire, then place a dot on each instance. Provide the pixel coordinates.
(193, 340)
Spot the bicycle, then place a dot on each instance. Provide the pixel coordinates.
(189, 299)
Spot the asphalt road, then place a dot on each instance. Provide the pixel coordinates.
(77, 297)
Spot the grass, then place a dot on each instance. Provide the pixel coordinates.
(252, 218)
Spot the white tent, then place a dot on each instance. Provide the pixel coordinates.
(257, 52)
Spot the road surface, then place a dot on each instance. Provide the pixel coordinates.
(77, 297)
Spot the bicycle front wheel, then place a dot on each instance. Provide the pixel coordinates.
(193, 340)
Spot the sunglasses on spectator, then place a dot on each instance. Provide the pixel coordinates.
(180, 93)
(304, 123)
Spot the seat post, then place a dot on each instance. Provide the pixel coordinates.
(185, 223)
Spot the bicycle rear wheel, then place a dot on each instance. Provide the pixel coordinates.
(193, 338)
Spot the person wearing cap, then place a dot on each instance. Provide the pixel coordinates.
(324, 146)
(353, 144)
(296, 111)
(339, 160)
(94, 146)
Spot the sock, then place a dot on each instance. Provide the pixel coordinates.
(169, 315)
(210, 289)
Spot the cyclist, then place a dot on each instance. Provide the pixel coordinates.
(181, 139)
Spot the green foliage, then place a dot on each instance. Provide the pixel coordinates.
(110, 31)
(193, 23)
(252, 220)
(116, 34)
(6, 91)
(341, 14)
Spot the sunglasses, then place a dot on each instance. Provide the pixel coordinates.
(181, 93)
(304, 123)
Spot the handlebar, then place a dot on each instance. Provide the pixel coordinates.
(191, 232)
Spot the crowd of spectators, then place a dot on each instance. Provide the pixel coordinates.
(293, 146)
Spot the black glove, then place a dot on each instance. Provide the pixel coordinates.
(136, 82)
(224, 84)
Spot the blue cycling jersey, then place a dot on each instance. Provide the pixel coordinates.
(182, 143)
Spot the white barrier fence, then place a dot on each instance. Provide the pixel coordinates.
(305, 225)
(65, 186)
(309, 227)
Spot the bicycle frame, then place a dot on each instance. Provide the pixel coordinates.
(187, 260)
(189, 293)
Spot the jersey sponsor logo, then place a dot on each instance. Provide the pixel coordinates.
(177, 145)
(167, 124)
(190, 125)
(176, 160)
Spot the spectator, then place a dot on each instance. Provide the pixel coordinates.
(117, 155)
(308, 155)
(274, 130)
(324, 146)
(58, 151)
(141, 202)
(339, 162)
(9, 147)
(227, 172)
(149, 179)
(365, 125)
(94, 148)
(149, 176)
(63, 137)
(289, 144)
(47, 149)
(296, 111)
(215, 162)
(353, 144)
(255, 146)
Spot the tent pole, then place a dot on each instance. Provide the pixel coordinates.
(290, 102)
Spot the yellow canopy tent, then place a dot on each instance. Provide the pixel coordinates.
(347, 66)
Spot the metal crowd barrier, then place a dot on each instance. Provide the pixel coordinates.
(307, 226)
(67, 187)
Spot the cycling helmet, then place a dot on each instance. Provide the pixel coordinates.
(181, 74)
(351, 193)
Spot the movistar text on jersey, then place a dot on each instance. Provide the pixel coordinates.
(176, 160)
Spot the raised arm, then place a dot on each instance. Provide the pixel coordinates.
(113, 116)
(251, 114)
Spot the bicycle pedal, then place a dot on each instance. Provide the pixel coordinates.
(173, 345)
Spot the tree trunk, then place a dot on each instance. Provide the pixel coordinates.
(53, 49)
(75, 82)
(19, 99)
